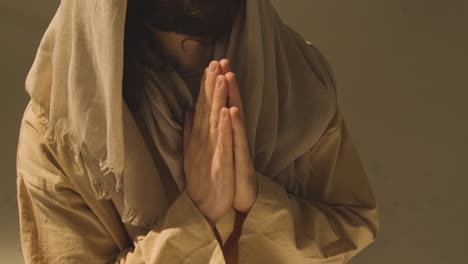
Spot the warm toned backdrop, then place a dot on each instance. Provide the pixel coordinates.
(402, 71)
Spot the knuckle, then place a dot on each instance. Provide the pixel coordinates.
(220, 146)
(225, 146)
(214, 122)
(216, 171)
(204, 109)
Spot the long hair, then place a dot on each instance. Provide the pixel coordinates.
(197, 19)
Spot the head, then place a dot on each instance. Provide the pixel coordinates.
(194, 18)
(200, 20)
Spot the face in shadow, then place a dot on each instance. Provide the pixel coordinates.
(195, 18)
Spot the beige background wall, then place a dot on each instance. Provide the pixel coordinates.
(402, 71)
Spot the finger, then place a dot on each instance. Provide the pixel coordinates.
(225, 66)
(188, 123)
(241, 145)
(202, 92)
(234, 93)
(219, 101)
(201, 107)
(214, 69)
(225, 141)
(204, 102)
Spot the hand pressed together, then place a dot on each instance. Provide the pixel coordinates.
(218, 166)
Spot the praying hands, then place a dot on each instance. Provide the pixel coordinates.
(218, 166)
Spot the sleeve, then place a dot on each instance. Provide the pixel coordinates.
(331, 218)
(58, 226)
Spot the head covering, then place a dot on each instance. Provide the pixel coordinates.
(75, 84)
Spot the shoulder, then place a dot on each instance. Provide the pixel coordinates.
(315, 58)
(39, 160)
(323, 62)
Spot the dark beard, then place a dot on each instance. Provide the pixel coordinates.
(195, 18)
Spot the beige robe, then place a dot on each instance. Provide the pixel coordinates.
(319, 209)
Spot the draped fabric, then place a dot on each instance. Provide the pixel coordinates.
(75, 85)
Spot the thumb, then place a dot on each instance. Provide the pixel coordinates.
(188, 124)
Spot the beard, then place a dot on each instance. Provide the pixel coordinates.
(194, 18)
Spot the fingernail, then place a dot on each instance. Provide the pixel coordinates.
(213, 67)
(223, 113)
(232, 74)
